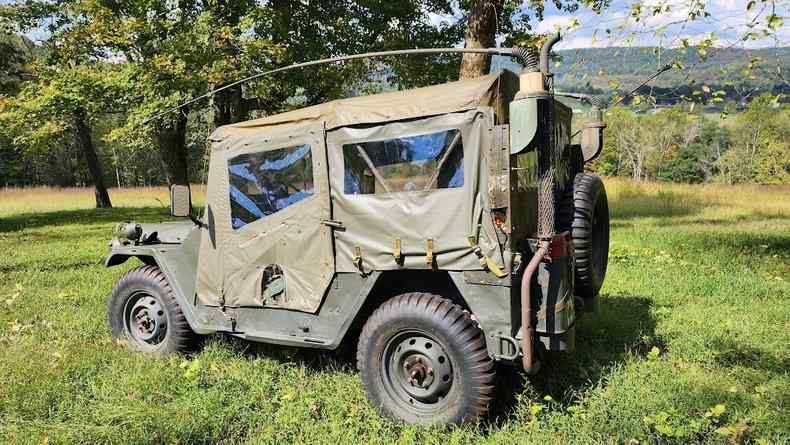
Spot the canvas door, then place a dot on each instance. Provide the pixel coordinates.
(404, 183)
(270, 194)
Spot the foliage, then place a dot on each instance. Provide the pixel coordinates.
(695, 161)
(43, 111)
(46, 124)
(169, 52)
(145, 56)
(675, 145)
(16, 53)
(761, 145)
(639, 145)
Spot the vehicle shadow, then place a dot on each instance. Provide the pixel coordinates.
(314, 360)
(623, 326)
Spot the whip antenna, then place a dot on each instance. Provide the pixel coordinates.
(660, 71)
(524, 55)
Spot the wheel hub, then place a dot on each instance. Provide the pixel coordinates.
(418, 373)
(147, 321)
(419, 369)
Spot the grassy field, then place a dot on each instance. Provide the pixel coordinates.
(692, 342)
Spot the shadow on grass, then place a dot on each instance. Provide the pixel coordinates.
(60, 266)
(740, 243)
(82, 217)
(637, 204)
(728, 352)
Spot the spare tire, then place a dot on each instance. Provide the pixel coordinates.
(584, 211)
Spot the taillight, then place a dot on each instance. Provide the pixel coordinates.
(499, 217)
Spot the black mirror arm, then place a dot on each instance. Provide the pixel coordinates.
(195, 220)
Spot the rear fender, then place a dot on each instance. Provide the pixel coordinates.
(485, 296)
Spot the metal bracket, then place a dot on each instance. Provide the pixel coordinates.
(221, 299)
(512, 342)
(498, 160)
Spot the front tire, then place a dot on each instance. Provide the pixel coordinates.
(143, 312)
(424, 360)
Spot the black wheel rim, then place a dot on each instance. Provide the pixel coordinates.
(417, 371)
(145, 320)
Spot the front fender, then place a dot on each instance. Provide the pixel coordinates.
(179, 264)
(119, 255)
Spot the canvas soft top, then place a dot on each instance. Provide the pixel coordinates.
(494, 90)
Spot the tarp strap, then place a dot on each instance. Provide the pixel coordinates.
(485, 261)
(357, 259)
(429, 257)
(396, 252)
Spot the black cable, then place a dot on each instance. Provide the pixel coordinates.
(525, 55)
(660, 71)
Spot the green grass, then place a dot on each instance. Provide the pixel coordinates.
(690, 345)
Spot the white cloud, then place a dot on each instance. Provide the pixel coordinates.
(582, 42)
(728, 22)
(552, 23)
(438, 19)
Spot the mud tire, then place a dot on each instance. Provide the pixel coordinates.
(459, 356)
(145, 292)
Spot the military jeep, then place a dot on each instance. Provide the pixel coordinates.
(447, 228)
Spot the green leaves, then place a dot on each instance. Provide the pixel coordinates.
(653, 353)
(716, 411)
(774, 22)
(670, 424)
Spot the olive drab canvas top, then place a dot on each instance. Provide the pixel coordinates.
(383, 182)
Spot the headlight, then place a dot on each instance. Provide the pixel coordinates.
(128, 230)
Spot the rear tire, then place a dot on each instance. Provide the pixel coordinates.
(424, 360)
(589, 227)
(143, 312)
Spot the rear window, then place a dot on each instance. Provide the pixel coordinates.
(404, 164)
(266, 182)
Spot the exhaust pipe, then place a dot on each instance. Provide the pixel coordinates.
(546, 229)
(544, 52)
(531, 367)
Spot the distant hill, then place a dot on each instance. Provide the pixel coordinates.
(604, 70)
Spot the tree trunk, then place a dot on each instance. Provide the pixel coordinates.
(230, 107)
(480, 33)
(85, 141)
(171, 138)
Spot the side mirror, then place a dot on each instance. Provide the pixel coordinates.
(180, 200)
